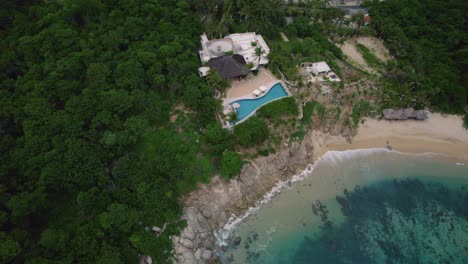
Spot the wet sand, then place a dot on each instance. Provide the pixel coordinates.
(443, 134)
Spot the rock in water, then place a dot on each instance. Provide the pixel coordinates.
(255, 236)
(237, 241)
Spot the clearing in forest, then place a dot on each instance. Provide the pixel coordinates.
(374, 45)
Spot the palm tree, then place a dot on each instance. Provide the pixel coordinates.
(259, 52)
(250, 65)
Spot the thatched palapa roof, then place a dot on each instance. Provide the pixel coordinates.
(229, 66)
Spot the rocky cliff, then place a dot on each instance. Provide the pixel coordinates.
(209, 208)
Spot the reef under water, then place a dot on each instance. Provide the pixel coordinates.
(399, 221)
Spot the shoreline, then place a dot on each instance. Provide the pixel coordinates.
(208, 209)
(440, 134)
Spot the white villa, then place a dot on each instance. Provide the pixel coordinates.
(345, 2)
(231, 54)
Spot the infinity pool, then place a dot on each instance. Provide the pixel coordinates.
(247, 106)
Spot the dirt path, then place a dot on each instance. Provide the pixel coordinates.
(376, 46)
(354, 57)
(372, 43)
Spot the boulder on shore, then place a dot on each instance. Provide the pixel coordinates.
(186, 243)
(403, 114)
(206, 255)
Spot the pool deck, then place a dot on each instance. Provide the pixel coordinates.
(228, 101)
(243, 89)
(269, 85)
(247, 86)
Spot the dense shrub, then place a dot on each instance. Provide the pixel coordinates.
(231, 164)
(251, 132)
(275, 110)
(370, 58)
(218, 138)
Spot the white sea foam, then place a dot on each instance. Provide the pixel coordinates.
(223, 234)
(336, 157)
(332, 157)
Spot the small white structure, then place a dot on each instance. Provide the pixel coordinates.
(320, 68)
(318, 72)
(244, 44)
(256, 92)
(345, 2)
(203, 71)
(263, 88)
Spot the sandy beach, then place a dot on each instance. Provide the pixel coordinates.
(442, 134)
(440, 137)
(209, 208)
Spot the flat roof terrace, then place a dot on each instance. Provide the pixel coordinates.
(219, 47)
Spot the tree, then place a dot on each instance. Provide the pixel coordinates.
(130, 75)
(259, 52)
(118, 217)
(231, 164)
(53, 239)
(216, 82)
(251, 132)
(82, 85)
(8, 248)
(219, 139)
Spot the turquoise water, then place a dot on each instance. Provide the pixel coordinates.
(364, 206)
(247, 106)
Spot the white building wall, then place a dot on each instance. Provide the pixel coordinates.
(242, 45)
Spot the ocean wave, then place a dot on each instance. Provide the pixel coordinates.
(334, 157)
(331, 157)
(225, 233)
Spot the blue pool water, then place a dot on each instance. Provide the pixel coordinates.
(247, 106)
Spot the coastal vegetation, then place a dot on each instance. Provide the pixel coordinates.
(370, 58)
(96, 148)
(251, 132)
(278, 109)
(308, 111)
(231, 164)
(428, 39)
(105, 123)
